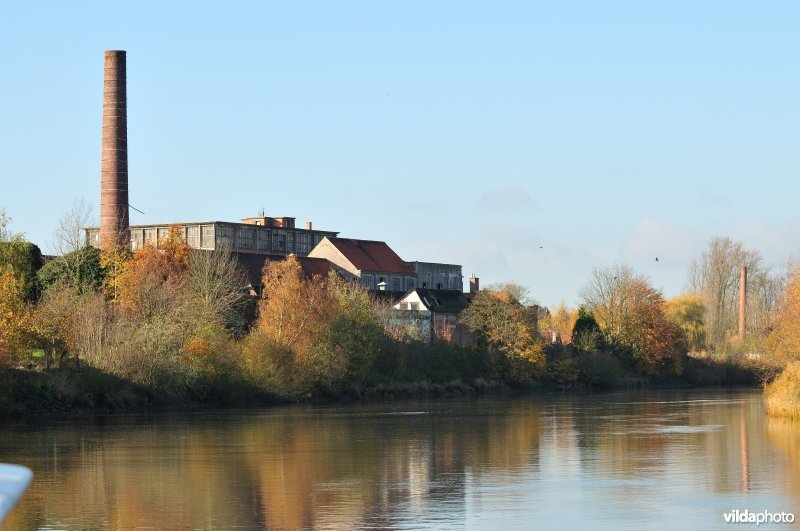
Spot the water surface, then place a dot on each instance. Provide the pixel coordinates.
(671, 459)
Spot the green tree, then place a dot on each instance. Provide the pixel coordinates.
(79, 270)
(586, 334)
(24, 259)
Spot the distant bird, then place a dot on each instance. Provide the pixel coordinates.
(541, 247)
(656, 259)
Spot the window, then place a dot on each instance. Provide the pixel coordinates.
(193, 236)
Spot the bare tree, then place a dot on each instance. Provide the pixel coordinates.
(715, 276)
(5, 228)
(216, 285)
(611, 296)
(68, 236)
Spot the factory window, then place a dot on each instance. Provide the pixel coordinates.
(193, 236)
(207, 237)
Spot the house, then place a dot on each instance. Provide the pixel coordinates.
(439, 311)
(373, 263)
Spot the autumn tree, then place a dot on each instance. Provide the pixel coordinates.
(630, 312)
(784, 339)
(24, 259)
(15, 315)
(504, 325)
(154, 279)
(294, 310)
(560, 322)
(689, 314)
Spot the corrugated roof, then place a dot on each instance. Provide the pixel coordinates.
(368, 255)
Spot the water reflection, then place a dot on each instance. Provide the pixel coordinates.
(633, 458)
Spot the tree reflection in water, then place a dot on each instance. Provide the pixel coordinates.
(402, 463)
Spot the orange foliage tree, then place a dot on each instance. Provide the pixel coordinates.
(294, 310)
(152, 279)
(784, 339)
(631, 315)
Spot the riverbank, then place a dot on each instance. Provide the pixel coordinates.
(86, 390)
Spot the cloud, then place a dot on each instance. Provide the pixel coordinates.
(775, 242)
(504, 198)
(653, 238)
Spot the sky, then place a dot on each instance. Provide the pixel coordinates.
(527, 141)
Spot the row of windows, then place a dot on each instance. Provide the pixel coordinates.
(225, 237)
(392, 282)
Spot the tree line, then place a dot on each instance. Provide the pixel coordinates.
(179, 323)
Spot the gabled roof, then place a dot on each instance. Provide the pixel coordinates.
(368, 255)
(441, 300)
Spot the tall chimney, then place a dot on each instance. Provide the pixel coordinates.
(114, 213)
(742, 301)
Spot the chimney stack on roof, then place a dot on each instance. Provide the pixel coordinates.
(114, 213)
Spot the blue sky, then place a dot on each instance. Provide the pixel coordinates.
(462, 132)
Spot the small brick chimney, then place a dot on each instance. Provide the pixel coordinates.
(474, 285)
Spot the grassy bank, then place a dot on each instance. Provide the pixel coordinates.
(782, 395)
(88, 390)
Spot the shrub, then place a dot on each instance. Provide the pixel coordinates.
(782, 396)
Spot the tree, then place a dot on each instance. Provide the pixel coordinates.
(215, 285)
(80, 270)
(586, 334)
(15, 316)
(5, 221)
(630, 313)
(560, 322)
(784, 339)
(293, 310)
(154, 279)
(689, 314)
(354, 332)
(715, 278)
(69, 233)
(503, 325)
(77, 265)
(24, 259)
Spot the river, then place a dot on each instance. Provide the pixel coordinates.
(665, 459)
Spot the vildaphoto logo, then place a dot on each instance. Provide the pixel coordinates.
(746, 516)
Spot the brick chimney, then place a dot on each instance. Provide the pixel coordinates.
(474, 285)
(114, 213)
(742, 302)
